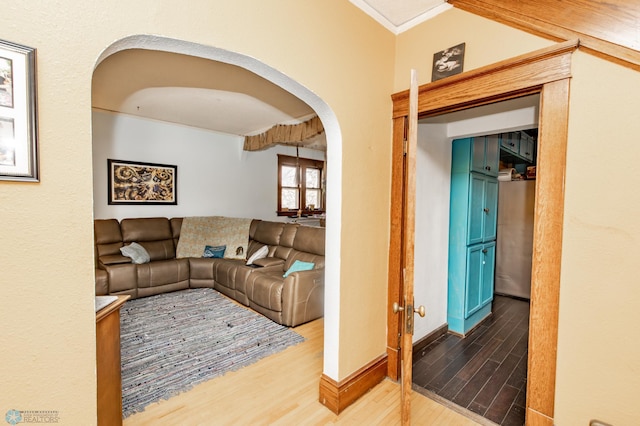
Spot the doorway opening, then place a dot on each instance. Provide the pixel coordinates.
(484, 372)
(545, 72)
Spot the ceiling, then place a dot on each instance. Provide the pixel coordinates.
(218, 96)
(400, 15)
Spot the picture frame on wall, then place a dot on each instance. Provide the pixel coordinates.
(133, 182)
(448, 62)
(18, 121)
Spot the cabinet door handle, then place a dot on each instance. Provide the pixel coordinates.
(488, 167)
(484, 251)
(486, 210)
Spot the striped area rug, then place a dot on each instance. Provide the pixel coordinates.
(173, 341)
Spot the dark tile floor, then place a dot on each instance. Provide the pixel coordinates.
(486, 372)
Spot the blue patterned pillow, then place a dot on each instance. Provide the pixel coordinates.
(214, 251)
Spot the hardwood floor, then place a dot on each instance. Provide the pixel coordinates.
(486, 372)
(283, 390)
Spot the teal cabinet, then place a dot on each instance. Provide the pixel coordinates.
(485, 156)
(479, 279)
(472, 231)
(483, 207)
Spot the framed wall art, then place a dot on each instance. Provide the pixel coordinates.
(448, 62)
(142, 183)
(18, 125)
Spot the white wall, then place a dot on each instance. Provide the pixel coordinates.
(215, 175)
(433, 183)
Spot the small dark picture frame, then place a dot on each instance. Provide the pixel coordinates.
(448, 62)
(132, 182)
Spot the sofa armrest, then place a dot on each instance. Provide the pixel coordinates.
(121, 277)
(270, 262)
(303, 297)
(102, 282)
(112, 259)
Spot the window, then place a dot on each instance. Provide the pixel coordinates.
(300, 183)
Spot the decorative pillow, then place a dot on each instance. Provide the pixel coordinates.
(261, 253)
(136, 252)
(214, 251)
(299, 265)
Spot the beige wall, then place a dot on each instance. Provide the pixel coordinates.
(598, 352)
(47, 318)
(485, 41)
(598, 363)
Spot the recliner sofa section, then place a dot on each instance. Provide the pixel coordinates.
(290, 301)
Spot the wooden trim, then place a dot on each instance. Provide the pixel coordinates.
(429, 338)
(479, 88)
(302, 164)
(547, 244)
(338, 396)
(504, 80)
(395, 287)
(613, 38)
(534, 418)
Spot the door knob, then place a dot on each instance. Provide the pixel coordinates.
(420, 310)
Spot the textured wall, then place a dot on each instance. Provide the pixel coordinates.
(47, 318)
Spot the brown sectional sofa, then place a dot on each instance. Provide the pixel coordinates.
(289, 301)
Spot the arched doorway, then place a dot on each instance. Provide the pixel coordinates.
(334, 160)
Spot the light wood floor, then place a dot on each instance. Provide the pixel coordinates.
(283, 390)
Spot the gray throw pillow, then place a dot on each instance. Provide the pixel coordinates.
(136, 252)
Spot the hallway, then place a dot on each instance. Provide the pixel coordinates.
(485, 372)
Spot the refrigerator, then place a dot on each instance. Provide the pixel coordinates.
(514, 244)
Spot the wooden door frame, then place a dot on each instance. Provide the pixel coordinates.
(546, 72)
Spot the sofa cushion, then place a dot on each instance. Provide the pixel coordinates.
(309, 239)
(108, 237)
(176, 226)
(304, 256)
(268, 232)
(154, 234)
(163, 272)
(261, 253)
(136, 252)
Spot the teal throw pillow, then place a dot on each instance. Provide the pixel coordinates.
(299, 265)
(214, 251)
